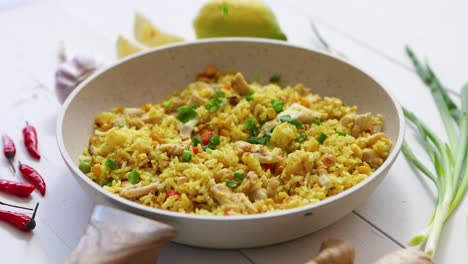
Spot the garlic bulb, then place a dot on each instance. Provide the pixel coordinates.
(72, 70)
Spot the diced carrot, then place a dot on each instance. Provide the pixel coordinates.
(206, 137)
(171, 193)
(226, 211)
(96, 169)
(227, 86)
(195, 150)
(211, 70)
(267, 166)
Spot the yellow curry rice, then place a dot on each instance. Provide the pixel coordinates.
(224, 146)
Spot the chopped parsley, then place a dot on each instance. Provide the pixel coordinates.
(278, 105)
(292, 121)
(214, 104)
(218, 91)
(301, 138)
(341, 133)
(196, 140)
(186, 156)
(133, 176)
(317, 121)
(186, 113)
(275, 78)
(121, 124)
(321, 137)
(107, 182)
(251, 126)
(230, 183)
(167, 103)
(239, 175)
(111, 164)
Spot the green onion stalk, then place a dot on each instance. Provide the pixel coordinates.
(450, 173)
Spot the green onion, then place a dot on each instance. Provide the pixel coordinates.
(186, 113)
(321, 137)
(215, 104)
(258, 140)
(225, 8)
(251, 126)
(111, 164)
(341, 133)
(230, 183)
(292, 121)
(301, 138)
(121, 124)
(85, 167)
(317, 121)
(133, 176)
(249, 96)
(267, 133)
(186, 156)
(213, 143)
(278, 105)
(239, 175)
(107, 182)
(167, 103)
(218, 91)
(275, 78)
(196, 140)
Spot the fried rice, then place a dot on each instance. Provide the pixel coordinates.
(226, 146)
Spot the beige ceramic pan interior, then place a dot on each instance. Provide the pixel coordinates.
(152, 76)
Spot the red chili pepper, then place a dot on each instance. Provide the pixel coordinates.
(195, 150)
(206, 137)
(30, 141)
(33, 177)
(9, 150)
(21, 221)
(20, 189)
(171, 193)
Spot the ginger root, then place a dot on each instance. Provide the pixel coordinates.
(334, 251)
(405, 256)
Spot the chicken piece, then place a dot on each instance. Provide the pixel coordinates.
(329, 160)
(172, 149)
(258, 151)
(133, 111)
(371, 157)
(175, 104)
(185, 130)
(197, 100)
(240, 85)
(301, 113)
(323, 179)
(235, 201)
(259, 194)
(357, 123)
(134, 191)
(273, 185)
(369, 141)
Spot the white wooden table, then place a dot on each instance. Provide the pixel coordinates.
(371, 33)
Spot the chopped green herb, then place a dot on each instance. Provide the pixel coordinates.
(167, 103)
(197, 140)
(186, 156)
(218, 91)
(278, 105)
(317, 121)
(239, 175)
(301, 138)
(275, 78)
(258, 140)
(121, 124)
(133, 176)
(256, 77)
(213, 142)
(340, 133)
(186, 113)
(85, 167)
(111, 164)
(107, 182)
(230, 183)
(214, 104)
(292, 121)
(321, 137)
(225, 8)
(251, 126)
(249, 96)
(267, 133)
